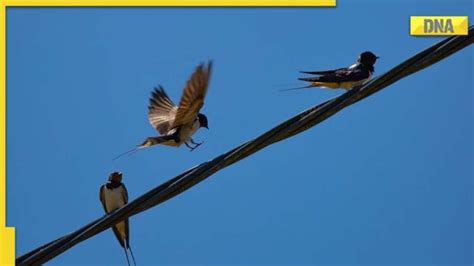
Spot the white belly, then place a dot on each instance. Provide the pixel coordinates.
(185, 134)
(352, 84)
(113, 199)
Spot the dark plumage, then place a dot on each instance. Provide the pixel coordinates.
(345, 78)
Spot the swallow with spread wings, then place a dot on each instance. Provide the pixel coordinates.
(178, 123)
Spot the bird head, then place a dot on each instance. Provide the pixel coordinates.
(115, 177)
(203, 121)
(367, 58)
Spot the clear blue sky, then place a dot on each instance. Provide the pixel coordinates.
(389, 180)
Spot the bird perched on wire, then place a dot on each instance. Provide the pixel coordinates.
(114, 195)
(178, 123)
(345, 78)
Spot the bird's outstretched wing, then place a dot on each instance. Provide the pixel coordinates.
(161, 110)
(193, 95)
(341, 75)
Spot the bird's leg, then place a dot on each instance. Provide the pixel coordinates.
(193, 148)
(195, 144)
(189, 146)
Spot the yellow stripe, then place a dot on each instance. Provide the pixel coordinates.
(7, 246)
(7, 235)
(171, 3)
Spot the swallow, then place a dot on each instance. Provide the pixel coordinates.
(178, 123)
(345, 78)
(114, 195)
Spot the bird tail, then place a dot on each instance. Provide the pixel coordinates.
(298, 88)
(126, 255)
(129, 152)
(131, 253)
(147, 143)
(156, 140)
(152, 141)
(310, 79)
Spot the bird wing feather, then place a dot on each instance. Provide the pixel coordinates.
(325, 72)
(102, 197)
(193, 96)
(118, 236)
(341, 75)
(127, 230)
(161, 111)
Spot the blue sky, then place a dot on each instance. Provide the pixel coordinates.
(388, 180)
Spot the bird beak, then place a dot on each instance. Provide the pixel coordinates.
(377, 57)
(207, 127)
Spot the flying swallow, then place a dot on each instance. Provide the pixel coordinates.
(345, 78)
(178, 123)
(114, 195)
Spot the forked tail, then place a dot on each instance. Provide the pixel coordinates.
(147, 143)
(129, 152)
(131, 253)
(298, 88)
(126, 255)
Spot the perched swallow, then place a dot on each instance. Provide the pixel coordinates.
(114, 195)
(345, 78)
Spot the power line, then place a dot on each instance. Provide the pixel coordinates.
(289, 128)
